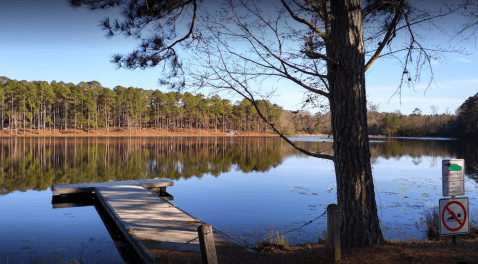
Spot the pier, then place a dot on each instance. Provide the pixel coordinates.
(140, 209)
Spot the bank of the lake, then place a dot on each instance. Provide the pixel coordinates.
(148, 132)
(399, 252)
(133, 132)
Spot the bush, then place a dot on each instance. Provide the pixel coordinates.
(432, 221)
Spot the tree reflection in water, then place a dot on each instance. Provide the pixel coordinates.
(38, 163)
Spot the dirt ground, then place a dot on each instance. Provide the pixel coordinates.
(436, 252)
(125, 132)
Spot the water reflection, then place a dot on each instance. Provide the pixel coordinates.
(37, 163)
(247, 187)
(436, 149)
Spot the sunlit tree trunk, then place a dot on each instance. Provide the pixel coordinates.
(44, 118)
(76, 116)
(24, 127)
(39, 117)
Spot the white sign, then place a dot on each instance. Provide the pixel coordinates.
(453, 177)
(454, 216)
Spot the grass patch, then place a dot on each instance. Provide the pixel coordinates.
(432, 221)
(274, 242)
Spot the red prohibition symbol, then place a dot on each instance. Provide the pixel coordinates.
(460, 223)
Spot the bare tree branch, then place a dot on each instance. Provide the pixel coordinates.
(388, 36)
(283, 62)
(251, 99)
(315, 55)
(305, 21)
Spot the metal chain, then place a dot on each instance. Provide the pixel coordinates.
(251, 246)
(230, 237)
(188, 242)
(292, 230)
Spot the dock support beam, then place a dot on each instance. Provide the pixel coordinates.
(208, 247)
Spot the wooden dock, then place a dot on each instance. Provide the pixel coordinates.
(152, 225)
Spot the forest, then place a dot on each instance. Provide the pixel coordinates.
(39, 105)
(88, 105)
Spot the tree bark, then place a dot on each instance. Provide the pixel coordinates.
(356, 196)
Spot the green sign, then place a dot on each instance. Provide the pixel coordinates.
(455, 167)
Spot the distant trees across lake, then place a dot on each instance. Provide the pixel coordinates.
(88, 105)
(39, 105)
(462, 124)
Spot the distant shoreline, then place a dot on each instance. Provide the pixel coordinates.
(125, 132)
(148, 132)
(327, 135)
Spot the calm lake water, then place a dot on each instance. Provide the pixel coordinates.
(249, 188)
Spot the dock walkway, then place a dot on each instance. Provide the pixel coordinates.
(152, 225)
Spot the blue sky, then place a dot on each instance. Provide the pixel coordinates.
(49, 40)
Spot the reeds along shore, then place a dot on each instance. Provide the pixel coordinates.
(125, 132)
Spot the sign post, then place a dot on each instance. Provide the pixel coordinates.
(454, 215)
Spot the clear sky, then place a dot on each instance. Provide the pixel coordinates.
(49, 40)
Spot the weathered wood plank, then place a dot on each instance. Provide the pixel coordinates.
(152, 225)
(137, 245)
(153, 222)
(141, 210)
(88, 187)
(56, 189)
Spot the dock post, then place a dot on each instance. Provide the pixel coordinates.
(333, 230)
(208, 247)
(162, 191)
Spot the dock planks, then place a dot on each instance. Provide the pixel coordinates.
(152, 225)
(89, 187)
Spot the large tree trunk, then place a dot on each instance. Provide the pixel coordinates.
(355, 191)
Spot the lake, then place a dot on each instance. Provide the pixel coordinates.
(249, 188)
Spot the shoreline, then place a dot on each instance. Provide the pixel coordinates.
(146, 132)
(125, 132)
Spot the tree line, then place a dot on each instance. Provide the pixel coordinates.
(461, 124)
(88, 105)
